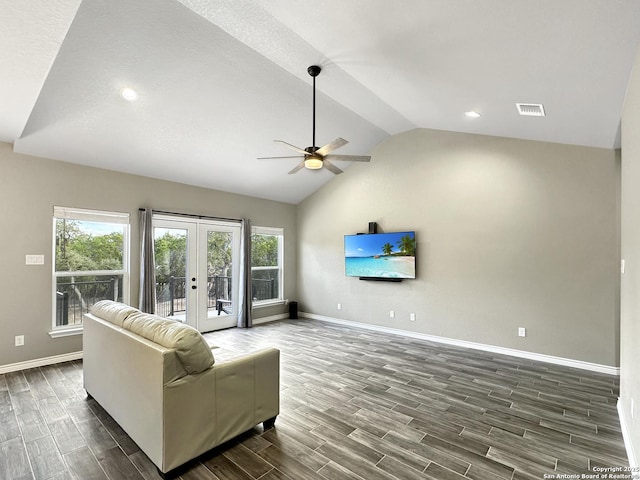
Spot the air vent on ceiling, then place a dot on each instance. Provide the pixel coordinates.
(530, 109)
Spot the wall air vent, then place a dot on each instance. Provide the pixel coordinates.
(530, 109)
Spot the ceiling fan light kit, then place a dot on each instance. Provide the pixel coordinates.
(315, 158)
(313, 163)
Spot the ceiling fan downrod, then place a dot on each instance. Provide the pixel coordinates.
(314, 71)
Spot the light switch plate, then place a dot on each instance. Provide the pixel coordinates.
(34, 259)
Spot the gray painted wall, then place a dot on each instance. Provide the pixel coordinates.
(30, 187)
(630, 286)
(509, 234)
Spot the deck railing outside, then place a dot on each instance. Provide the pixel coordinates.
(171, 295)
(74, 298)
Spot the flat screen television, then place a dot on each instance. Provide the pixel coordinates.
(384, 256)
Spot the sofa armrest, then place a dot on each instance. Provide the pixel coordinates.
(248, 391)
(204, 410)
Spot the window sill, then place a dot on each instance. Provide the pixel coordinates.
(269, 303)
(66, 332)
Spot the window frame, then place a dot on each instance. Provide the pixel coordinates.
(279, 233)
(98, 216)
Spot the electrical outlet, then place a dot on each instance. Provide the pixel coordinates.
(339, 306)
(412, 317)
(522, 332)
(19, 340)
(392, 314)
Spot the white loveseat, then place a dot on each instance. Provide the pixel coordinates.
(158, 379)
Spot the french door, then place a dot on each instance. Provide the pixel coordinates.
(197, 271)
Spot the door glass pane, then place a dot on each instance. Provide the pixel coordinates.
(170, 246)
(219, 273)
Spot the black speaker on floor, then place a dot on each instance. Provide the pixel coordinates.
(293, 310)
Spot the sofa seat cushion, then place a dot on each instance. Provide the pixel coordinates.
(189, 344)
(112, 312)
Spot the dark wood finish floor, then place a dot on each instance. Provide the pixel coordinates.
(355, 404)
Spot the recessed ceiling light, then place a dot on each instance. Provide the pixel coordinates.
(472, 114)
(129, 94)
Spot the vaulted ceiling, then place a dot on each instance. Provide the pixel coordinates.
(218, 81)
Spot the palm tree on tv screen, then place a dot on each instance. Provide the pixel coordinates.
(387, 248)
(407, 245)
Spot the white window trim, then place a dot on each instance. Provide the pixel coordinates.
(279, 232)
(268, 303)
(90, 215)
(268, 230)
(60, 332)
(82, 214)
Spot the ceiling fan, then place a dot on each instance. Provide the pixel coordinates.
(313, 157)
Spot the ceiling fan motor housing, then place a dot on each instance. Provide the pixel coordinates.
(312, 150)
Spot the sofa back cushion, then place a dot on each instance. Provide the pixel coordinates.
(189, 344)
(113, 312)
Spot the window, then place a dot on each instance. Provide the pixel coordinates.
(267, 264)
(91, 251)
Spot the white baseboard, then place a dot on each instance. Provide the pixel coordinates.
(270, 318)
(567, 362)
(633, 461)
(40, 362)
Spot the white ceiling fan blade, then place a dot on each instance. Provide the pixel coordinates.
(349, 158)
(296, 168)
(271, 158)
(330, 147)
(331, 167)
(297, 149)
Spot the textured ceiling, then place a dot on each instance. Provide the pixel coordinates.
(218, 81)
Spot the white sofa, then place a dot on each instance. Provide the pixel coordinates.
(158, 379)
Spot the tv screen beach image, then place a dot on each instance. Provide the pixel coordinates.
(381, 255)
